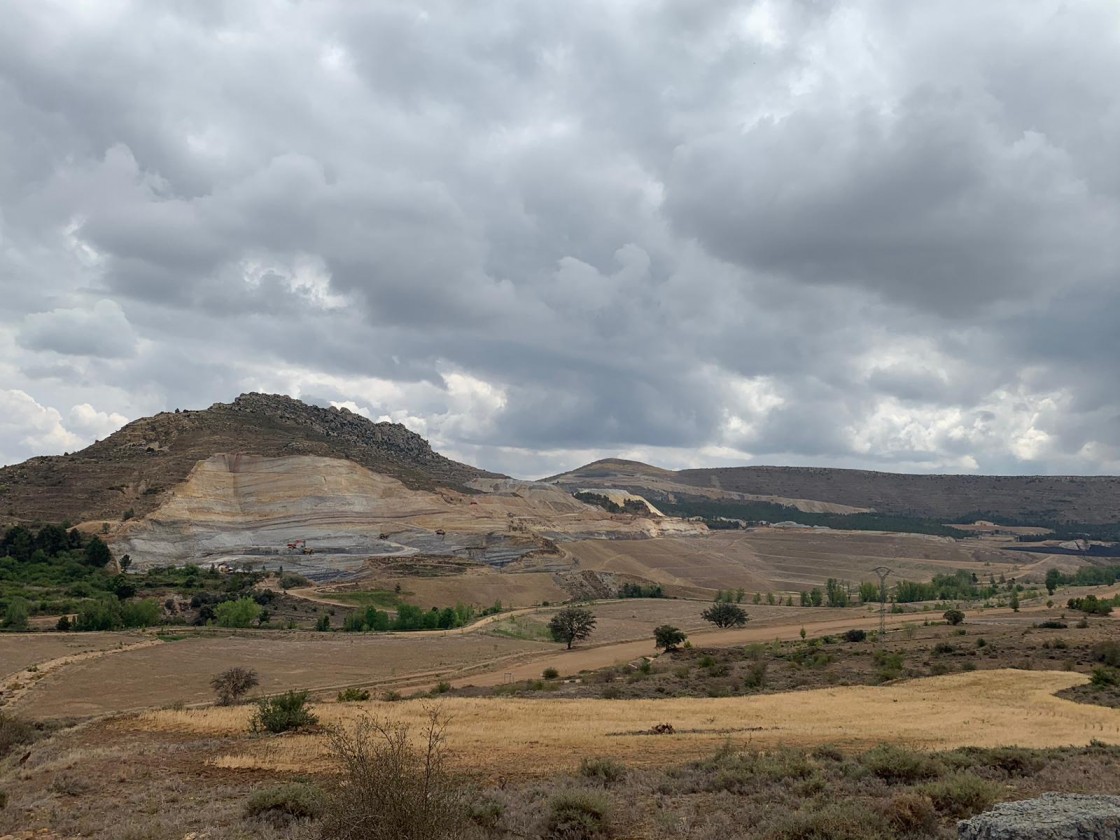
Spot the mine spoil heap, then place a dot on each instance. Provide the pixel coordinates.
(132, 470)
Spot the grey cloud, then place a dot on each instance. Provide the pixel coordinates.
(800, 232)
(102, 330)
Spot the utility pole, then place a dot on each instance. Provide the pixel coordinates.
(882, 572)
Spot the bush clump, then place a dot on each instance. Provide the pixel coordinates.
(285, 804)
(578, 815)
(896, 765)
(232, 684)
(960, 795)
(353, 695)
(283, 713)
(602, 770)
(389, 787)
(14, 732)
(1107, 652)
(855, 635)
(833, 821)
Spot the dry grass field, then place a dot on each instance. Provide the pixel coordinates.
(18, 651)
(180, 671)
(778, 560)
(493, 736)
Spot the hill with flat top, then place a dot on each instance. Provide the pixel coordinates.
(1027, 499)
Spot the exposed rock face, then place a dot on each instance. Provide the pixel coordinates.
(134, 469)
(1052, 816)
(237, 507)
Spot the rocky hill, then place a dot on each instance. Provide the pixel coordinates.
(131, 473)
(1083, 499)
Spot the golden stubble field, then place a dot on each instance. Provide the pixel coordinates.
(496, 736)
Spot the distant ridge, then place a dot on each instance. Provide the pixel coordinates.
(132, 470)
(1086, 499)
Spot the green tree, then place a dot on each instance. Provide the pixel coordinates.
(571, 624)
(1053, 580)
(97, 553)
(17, 614)
(669, 637)
(1014, 602)
(240, 613)
(954, 617)
(837, 595)
(141, 613)
(816, 597)
(869, 592)
(725, 615)
(102, 614)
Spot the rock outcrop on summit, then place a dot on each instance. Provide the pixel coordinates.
(131, 472)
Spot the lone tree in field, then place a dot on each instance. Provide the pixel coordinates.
(669, 637)
(723, 614)
(1053, 580)
(571, 624)
(231, 685)
(954, 617)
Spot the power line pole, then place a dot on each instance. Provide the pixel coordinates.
(882, 572)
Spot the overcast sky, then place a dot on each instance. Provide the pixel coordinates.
(868, 234)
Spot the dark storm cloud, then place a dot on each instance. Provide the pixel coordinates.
(863, 234)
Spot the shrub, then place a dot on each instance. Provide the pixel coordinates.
(899, 765)
(323, 624)
(834, 821)
(286, 803)
(14, 732)
(910, 813)
(954, 617)
(960, 795)
(669, 637)
(487, 813)
(3, 800)
(1107, 652)
(17, 613)
(233, 683)
(889, 665)
(239, 613)
(281, 714)
(353, 695)
(1104, 677)
(855, 635)
(291, 581)
(550, 674)
(755, 676)
(387, 786)
(943, 648)
(602, 770)
(578, 815)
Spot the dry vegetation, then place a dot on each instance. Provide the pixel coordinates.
(800, 765)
